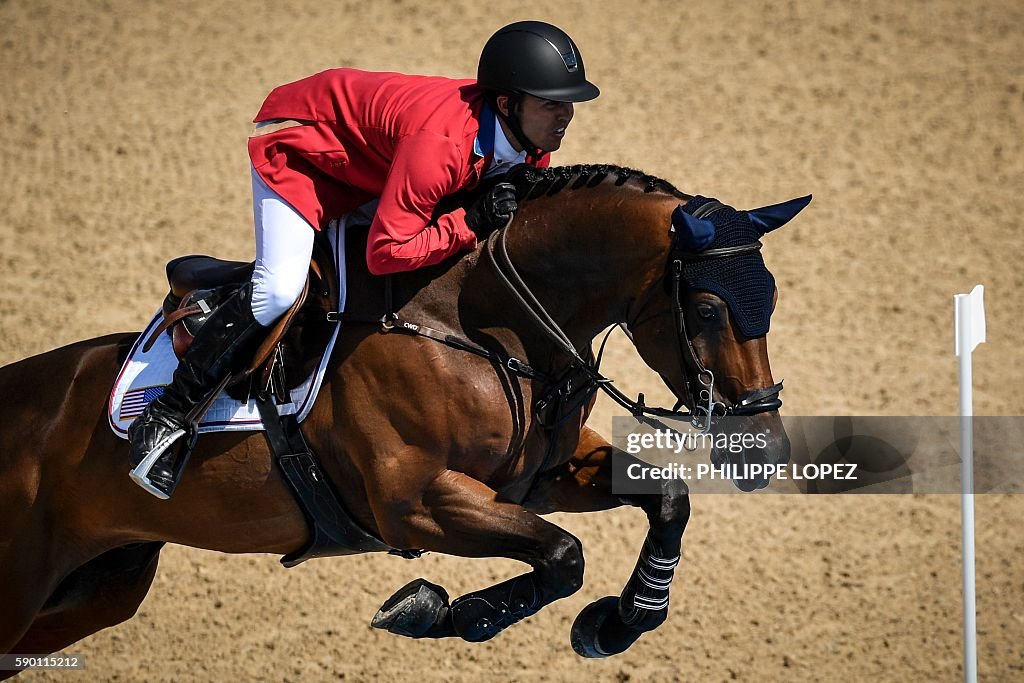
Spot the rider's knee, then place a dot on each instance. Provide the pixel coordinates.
(271, 298)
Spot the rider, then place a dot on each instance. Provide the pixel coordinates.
(329, 143)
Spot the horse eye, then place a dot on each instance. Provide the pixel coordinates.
(707, 311)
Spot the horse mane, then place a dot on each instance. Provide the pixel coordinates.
(532, 183)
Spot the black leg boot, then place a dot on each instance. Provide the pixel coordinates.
(225, 341)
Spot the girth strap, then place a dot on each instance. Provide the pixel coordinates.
(332, 531)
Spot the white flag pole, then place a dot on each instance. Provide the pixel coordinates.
(969, 316)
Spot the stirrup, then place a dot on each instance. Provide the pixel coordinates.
(140, 474)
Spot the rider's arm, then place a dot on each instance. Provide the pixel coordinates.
(426, 167)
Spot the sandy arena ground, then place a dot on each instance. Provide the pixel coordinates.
(123, 145)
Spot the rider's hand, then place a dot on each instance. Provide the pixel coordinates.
(493, 210)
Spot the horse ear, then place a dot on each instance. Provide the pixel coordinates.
(767, 218)
(692, 234)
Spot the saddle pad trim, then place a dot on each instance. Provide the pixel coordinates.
(227, 414)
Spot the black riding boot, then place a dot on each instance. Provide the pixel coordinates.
(226, 339)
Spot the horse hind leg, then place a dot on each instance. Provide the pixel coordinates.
(103, 592)
(27, 577)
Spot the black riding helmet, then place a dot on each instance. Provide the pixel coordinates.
(535, 58)
(532, 58)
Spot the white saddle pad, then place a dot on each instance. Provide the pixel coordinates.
(144, 376)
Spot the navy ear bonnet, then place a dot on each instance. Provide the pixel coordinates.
(742, 281)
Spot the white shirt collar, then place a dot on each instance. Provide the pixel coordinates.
(505, 155)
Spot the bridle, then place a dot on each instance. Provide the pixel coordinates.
(701, 396)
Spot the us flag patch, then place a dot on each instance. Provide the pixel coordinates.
(136, 400)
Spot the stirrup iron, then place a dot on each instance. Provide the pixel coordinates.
(140, 473)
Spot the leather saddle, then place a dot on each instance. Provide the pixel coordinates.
(295, 342)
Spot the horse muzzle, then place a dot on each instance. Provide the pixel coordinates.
(746, 445)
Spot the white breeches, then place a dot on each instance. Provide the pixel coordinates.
(284, 245)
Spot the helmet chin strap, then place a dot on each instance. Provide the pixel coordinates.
(533, 152)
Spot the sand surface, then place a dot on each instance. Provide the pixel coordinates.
(123, 128)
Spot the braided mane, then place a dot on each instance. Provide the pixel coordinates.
(532, 183)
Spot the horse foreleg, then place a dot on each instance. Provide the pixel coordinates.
(461, 516)
(584, 484)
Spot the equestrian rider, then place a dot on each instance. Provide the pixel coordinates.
(329, 143)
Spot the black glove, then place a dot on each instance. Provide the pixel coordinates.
(493, 210)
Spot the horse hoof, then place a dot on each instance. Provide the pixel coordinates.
(583, 635)
(416, 610)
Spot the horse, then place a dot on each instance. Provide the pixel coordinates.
(431, 448)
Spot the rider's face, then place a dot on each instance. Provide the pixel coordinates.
(543, 121)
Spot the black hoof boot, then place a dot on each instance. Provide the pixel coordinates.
(419, 609)
(483, 614)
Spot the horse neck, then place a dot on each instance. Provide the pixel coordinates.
(587, 254)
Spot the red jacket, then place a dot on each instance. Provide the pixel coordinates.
(408, 140)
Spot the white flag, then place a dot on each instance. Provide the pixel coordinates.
(969, 319)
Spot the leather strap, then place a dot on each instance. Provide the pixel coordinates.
(332, 531)
(170, 321)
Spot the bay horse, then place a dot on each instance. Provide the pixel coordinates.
(433, 448)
